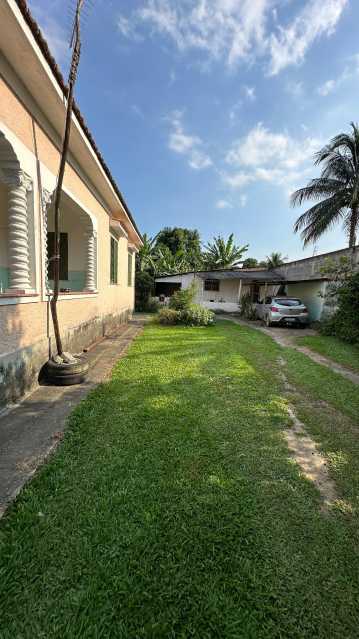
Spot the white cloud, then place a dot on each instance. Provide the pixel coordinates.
(237, 30)
(317, 18)
(189, 145)
(223, 204)
(295, 89)
(249, 92)
(267, 156)
(137, 111)
(56, 36)
(348, 72)
(237, 180)
(327, 87)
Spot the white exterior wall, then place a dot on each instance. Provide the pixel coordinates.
(309, 292)
(226, 299)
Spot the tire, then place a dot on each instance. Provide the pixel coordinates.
(65, 374)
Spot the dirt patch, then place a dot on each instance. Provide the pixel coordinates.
(305, 451)
(312, 463)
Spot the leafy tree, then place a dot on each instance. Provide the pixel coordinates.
(274, 260)
(180, 241)
(250, 262)
(145, 258)
(166, 263)
(223, 253)
(337, 190)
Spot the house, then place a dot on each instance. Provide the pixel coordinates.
(99, 236)
(222, 290)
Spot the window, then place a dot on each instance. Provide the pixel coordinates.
(211, 285)
(130, 269)
(286, 301)
(114, 261)
(64, 255)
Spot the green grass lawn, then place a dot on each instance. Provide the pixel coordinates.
(173, 509)
(335, 349)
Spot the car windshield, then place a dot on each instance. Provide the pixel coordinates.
(288, 301)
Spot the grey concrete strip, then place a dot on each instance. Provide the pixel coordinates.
(30, 431)
(284, 337)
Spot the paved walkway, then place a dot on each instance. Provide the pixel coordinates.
(287, 337)
(30, 431)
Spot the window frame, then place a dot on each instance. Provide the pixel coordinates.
(211, 285)
(113, 261)
(130, 269)
(64, 256)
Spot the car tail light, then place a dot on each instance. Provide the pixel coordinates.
(304, 310)
(275, 309)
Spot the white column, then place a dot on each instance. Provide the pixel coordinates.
(240, 291)
(18, 249)
(91, 261)
(45, 201)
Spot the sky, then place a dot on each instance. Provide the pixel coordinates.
(209, 112)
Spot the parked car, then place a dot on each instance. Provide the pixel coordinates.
(288, 311)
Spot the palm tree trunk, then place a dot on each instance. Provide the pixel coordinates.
(353, 226)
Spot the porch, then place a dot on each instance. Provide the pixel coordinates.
(27, 237)
(222, 291)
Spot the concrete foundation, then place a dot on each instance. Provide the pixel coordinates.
(19, 370)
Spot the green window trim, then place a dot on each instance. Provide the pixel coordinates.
(130, 269)
(114, 261)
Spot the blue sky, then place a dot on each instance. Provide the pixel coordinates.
(208, 112)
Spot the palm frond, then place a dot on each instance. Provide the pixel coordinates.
(320, 218)
(316, 189)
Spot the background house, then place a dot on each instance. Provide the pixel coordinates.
(222, 290)
(99, 235)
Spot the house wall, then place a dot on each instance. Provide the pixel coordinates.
(4, 271)
(309, 293)
(310, 268)
(24, 333)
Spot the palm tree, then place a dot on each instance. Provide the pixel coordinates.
(223, 253)
(274, 260)
(146, 254)
(337, 190)
(166, 263)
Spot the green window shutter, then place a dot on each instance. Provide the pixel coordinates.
(64, 255)
(129, 270)
(114, 262)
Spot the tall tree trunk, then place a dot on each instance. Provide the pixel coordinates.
(353, 226)
(53, 303)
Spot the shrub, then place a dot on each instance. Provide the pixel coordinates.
(152, 305)
(168, 316)
(144, 288)
(344, 323)
(196, 315)
(183, 298)
(247, 308)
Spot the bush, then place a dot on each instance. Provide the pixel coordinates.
(152, 305)
(183, 298)
(144, 288)
(344, 324)
(247, 308)
(194, 315)
(168, 316)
